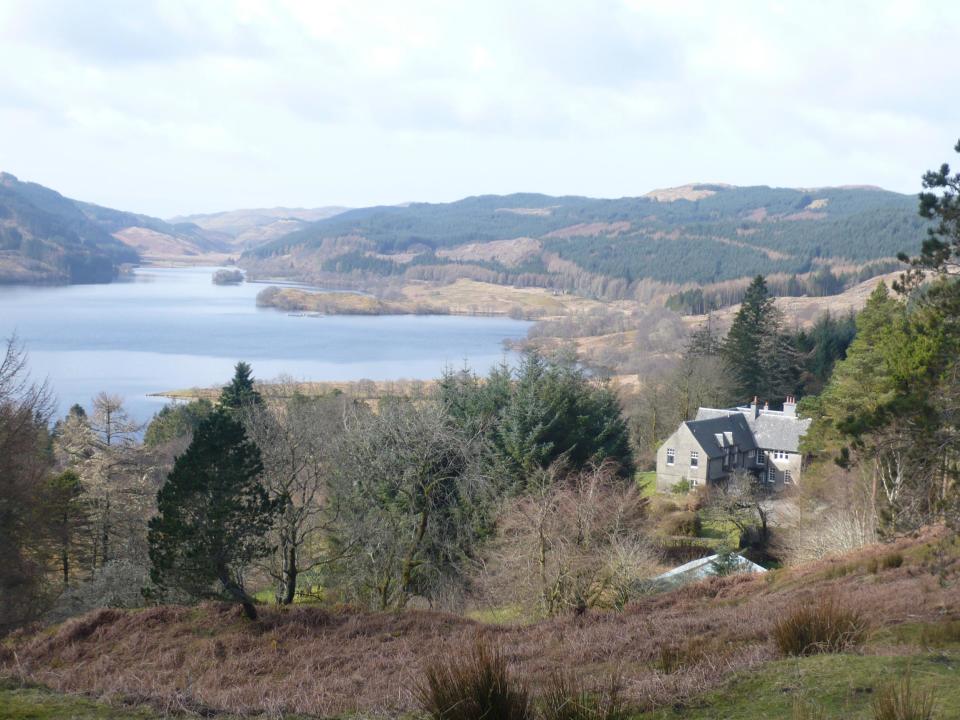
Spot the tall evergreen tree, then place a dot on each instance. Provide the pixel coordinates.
(240, 390)
(759, 356)
(213, 515)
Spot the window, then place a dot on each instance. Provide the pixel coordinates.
(771, 474)
(760, 457)
(694, 458)
(671, 456)
(787, 477)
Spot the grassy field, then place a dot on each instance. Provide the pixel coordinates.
(34, 703)
(647, 483)
(839, 686)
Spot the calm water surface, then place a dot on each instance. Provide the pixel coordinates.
(168, 328)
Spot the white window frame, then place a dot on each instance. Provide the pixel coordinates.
(771, 474)
(787, 477)
(694, 458)
(671, 456)
(761, 457)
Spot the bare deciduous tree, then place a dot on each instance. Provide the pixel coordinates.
(575, 541)
(410, 497)
(296, 440)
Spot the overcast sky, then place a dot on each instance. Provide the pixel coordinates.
(179, 107)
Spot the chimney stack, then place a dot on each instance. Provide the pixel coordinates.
(766, 405)
(790, 406)
(754, 407)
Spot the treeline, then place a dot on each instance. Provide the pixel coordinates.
(308, 496)
(821, 283)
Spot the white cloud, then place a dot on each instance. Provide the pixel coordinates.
(170, 107)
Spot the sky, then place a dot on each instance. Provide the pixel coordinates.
(172, 108)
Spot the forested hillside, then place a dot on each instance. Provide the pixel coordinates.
(720, 233)
(45, 237)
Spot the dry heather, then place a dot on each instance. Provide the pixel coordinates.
(326, 662)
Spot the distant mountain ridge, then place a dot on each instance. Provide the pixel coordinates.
(700, 233)
(251, 227)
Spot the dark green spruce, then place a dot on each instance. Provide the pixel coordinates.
(213, 515)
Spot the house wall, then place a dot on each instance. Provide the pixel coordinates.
(683, 442)
(793, 462)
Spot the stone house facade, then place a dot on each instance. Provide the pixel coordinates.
(718, 442)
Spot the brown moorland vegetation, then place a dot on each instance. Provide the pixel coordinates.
(328, 661)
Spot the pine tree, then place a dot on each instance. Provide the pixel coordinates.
(759, 356)
(240, 391)
(213, 515)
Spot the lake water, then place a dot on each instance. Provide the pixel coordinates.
(168, 328)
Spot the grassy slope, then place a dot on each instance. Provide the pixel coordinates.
(35, 703)
(842, 686)
(330, 662)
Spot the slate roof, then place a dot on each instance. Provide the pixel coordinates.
(705, 432)
(779, 432)
(772, 429)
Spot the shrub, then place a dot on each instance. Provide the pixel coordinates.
(566, 699)
(478, 686)
(900, 700)
(893, 560)
(821, 627)
(661, 505)
(683, 523)
(680, 488)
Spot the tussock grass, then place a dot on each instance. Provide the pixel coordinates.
(807, 711)
(824, 626)
(476, 687)
(901, 700)
(566, 698)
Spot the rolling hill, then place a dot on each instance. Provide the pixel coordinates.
(46, 237)
(253, 227)
(702, 233)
